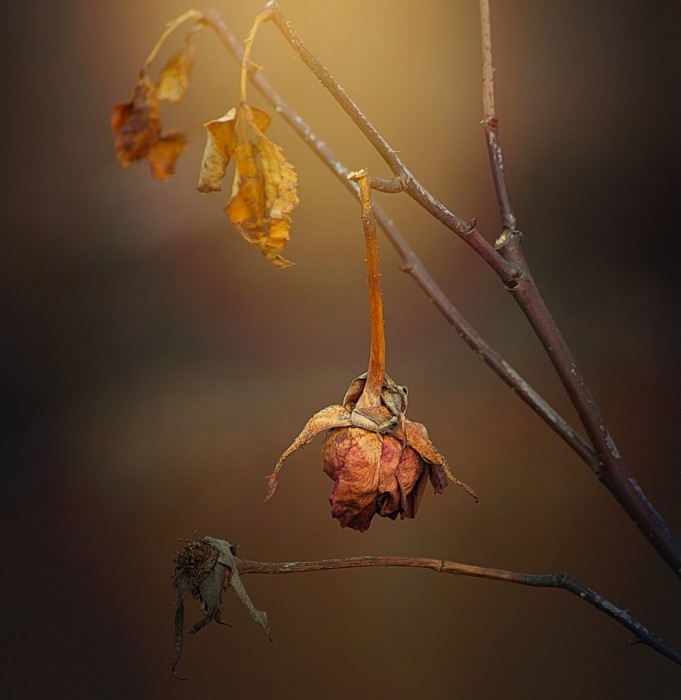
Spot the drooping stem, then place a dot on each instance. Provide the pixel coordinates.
(411, 263)
(556, 580)
(371, 396)
(189, 16)
(248, 45)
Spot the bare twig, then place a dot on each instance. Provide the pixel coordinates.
(411, 263)
(490, 122)
(465, 229)
(603, 459)
(557, 580)
(610, 468)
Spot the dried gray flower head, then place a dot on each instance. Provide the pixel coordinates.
(205, 567)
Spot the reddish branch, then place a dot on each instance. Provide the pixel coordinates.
(609, 467)
(465, 229)
(505, 258)
(557, 580)
(410, 262)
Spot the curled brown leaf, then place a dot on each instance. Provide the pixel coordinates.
(137, 130)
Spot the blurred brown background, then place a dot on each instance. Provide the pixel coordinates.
(154, 365)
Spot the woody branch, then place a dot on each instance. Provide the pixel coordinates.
(506, 258)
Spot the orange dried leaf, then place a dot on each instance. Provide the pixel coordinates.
(264, 185)
(174, 80)
(220, 145)
(136, 124)
(164, 152)
(264, 189)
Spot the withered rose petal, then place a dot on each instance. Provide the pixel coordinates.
(401, 471)
(438, 478)
(417, 437)
(375, 474)
(351, 458)
(412, 490)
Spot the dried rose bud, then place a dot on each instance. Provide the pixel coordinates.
(379, 460)
(205, 567)
(376, 474)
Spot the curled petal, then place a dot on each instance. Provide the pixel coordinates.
(352, 458)
(330, 417)
(354, 392)
(402, 480)
(417, 438)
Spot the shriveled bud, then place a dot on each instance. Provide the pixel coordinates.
(379, 460)
(375, 474)
(205, 568)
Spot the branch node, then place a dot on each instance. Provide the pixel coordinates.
(506, 236)
(392, 186)
(470, 226)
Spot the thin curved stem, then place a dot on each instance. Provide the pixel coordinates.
(556, 580)
(465, 229)
(491, 123)
(371, 395)
(248, 45)
(189, 16)
(411, 264)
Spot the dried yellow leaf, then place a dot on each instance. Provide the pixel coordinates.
(264, 186)
(220, 145)
(174, 79)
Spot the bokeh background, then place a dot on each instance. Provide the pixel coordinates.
(154, 365)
